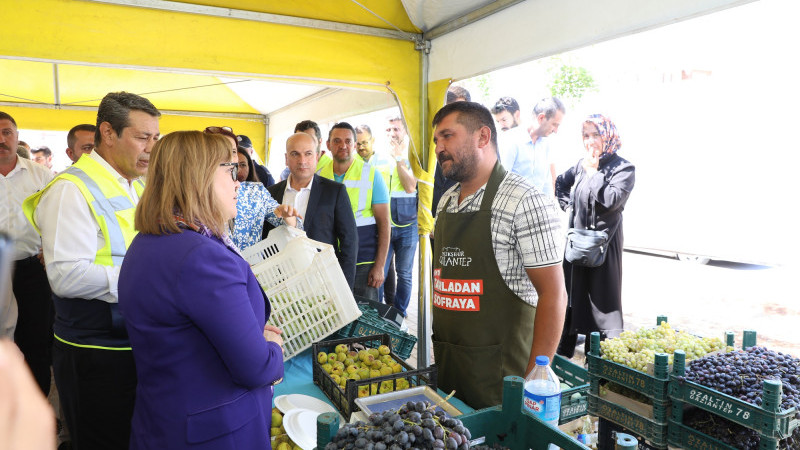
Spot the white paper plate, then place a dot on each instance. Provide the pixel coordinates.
(286, 403)
(301, 426)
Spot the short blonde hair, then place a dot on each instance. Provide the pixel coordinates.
(181, 179)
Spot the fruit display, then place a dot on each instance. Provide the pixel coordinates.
(298, 317)
(622, 390)
(741, 374)
(638, 349)
(280, 440)
(346, 364)
(416, 424)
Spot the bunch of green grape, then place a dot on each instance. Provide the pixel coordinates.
(638, 349)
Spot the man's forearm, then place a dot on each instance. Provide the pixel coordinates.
(547, 329)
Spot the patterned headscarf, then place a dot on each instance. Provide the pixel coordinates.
(607, 130)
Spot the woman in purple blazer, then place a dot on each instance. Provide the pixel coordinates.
(196, 316)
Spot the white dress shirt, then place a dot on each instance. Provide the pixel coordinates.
(25, 178)
(71, 237)
(295, 198)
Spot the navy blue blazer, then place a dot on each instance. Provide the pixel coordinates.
(329, 219)
(195, 315)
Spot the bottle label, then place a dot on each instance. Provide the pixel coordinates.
(545, 407)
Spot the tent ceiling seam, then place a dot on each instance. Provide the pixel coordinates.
(230, 13)
(411, 36)
(469, 18)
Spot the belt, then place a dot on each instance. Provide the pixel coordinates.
(29, 261)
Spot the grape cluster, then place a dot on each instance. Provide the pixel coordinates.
(732, 433)
(638, 349)
(416, 425)
(741, 374)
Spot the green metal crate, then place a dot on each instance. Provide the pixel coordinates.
(507, 425)
(653, 432)
(578, 379)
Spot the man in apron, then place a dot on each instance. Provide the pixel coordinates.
(499, 295)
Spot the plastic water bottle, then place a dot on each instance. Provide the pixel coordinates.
(542, 395)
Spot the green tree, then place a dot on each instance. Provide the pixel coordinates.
(571, 82)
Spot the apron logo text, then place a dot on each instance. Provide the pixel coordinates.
(456, 303)
(454, 256)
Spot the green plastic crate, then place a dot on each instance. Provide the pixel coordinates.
(653, 432)
(507, 425)
(769, 420)
(578, 378)
(371, 324)
(682, 436)
(652, 386)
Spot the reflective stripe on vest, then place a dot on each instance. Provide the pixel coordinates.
(358, 180)
(107, 209)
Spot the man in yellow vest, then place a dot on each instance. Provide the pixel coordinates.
(85, 216)
(402, 185)
(369, 198)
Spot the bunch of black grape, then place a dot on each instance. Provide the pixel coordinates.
(731, 433)
(741, 374)
(416, 425)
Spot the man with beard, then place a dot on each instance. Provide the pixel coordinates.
(499, 295)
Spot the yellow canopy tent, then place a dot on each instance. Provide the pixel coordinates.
(58, 58)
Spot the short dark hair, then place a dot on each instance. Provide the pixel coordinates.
(470, 114)
(251, 168)
(342, 126)
(549, 106)
(456, 92)
(71, 139)
(364, 128)
(43, 149)
(308, 124)
(6, 116)
(23, 152)
(115, 109)
(505, 104)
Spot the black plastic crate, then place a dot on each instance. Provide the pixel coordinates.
(344, 400)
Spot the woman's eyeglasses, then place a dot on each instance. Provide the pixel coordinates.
(234, 167)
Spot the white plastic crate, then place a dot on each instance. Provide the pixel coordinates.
(293, 258)
(276, 240)
(312, 304)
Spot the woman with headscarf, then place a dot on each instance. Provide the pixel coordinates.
(596, 189)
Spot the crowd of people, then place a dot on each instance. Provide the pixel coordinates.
(128, 278)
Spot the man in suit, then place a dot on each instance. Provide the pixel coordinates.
(323, 203)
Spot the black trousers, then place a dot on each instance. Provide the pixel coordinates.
(34, 333)
(97, 390)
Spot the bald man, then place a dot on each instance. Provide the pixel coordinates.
(323, 203)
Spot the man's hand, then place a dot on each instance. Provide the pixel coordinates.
(288, 213)
(40, 255)
(398, 147)
(375, 276)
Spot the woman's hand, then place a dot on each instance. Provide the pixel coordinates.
(288, 213)
(273, 334)
(26, 418)
(591, 161)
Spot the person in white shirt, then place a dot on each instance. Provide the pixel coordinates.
(324, 203)
(85, 217)
(26, 310)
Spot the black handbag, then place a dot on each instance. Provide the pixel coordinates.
(586, 247)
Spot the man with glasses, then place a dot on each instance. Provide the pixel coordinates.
(80, 140)
(369, 199)
(85, 217)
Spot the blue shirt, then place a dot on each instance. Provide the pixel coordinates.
(380, 192)
(532, 161)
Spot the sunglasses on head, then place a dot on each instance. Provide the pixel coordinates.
(234, 167)
(226, 131)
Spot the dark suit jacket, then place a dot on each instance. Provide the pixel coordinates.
(264, 175)
(329, 219)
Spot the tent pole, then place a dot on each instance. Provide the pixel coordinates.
(423, 318)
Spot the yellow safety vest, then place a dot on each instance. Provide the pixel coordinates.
(92, 323)
(111, 206)
(358, 180)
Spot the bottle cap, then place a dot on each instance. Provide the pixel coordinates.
(542, 361)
